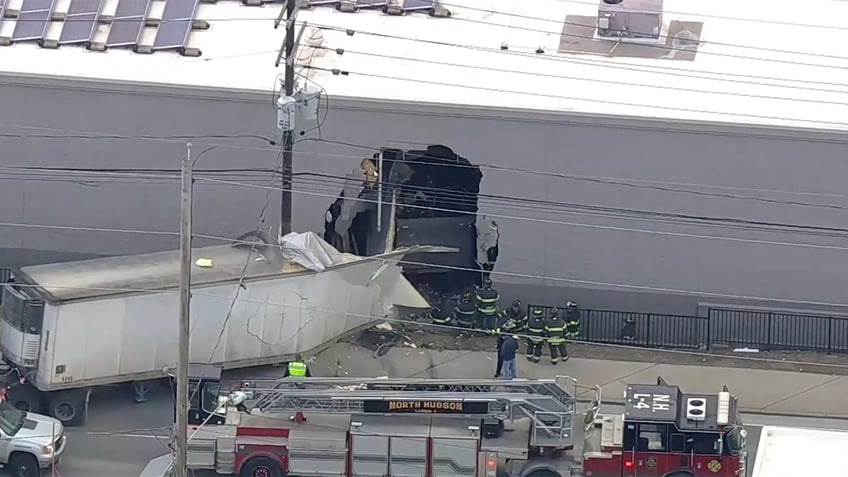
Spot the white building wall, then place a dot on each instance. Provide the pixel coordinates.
(584, 245)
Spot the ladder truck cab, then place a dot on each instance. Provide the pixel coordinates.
(665, 433)
(387, 427)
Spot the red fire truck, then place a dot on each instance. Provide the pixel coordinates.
(368, 427)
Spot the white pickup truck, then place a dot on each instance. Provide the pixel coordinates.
(794, 452)
(29, 442)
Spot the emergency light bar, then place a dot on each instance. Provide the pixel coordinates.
(723, 411)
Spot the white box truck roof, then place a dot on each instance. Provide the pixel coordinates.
(793, 452)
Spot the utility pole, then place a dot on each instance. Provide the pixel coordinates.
(181, 445)
(288, 135)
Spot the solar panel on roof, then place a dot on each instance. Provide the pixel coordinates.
(32, 20)
(412, 5)
(80, 21)
(127, 23)
(177, 20)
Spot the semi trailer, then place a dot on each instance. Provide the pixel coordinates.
(70, 326)
(455, 427)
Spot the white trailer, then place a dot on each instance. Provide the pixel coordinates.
(70, 326)
(792, 452)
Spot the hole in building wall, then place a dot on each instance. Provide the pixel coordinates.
(429, 197)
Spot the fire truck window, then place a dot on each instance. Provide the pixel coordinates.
(629, 440)
(194, 401)
(702, 443)
(210, 396)
(677, 443)
(652, 437)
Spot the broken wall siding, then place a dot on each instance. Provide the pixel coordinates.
(552, 233)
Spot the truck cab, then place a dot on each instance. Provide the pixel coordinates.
(665, 433)
(29, 442)
(204, 390)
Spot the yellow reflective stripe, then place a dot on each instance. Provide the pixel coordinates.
(297, 369)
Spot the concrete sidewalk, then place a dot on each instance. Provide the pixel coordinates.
(759, 391)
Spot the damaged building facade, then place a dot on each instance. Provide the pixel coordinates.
(631, 189)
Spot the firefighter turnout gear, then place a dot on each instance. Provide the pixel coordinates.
(572, 321)
(440, 316)
(555, 333)
(535, 335)
(487, 305)
(514, 319)
(465, 312)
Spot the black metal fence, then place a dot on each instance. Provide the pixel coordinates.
(764, 330)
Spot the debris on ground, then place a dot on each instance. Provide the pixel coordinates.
(416, 334)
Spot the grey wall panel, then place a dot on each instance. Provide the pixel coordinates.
(601, 254)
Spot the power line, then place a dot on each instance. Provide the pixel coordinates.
(342, 51)
(320, 185)
(664, 69)
(438, 326)
(664, 47)
(727, 17)
(319, 188)
(537, 277)
(340, 72)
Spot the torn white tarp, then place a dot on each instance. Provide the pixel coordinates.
(310, 251)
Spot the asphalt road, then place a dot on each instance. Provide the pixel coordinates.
(120, 436)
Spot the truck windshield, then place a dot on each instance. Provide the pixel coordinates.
(11, 419)
(735, 441)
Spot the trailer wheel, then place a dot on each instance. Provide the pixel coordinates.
(25, 397)
(68, 407)
(24, 465)
(261, 467)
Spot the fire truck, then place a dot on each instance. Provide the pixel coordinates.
(416, 427)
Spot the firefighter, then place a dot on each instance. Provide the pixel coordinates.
(465, 311)
(514, 319)
(572, 321)
(440, 315)
(555, 333)
(297, 368)
(487, 305)
(535, 335)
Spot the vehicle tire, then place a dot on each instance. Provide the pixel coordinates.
(69, 407)
(25, 397)
(23, 465)
(680, 474)
(543, 473)
(261, 467)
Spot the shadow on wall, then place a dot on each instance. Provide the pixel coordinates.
(400, 197)
(16, 257)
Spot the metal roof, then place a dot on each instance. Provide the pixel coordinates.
(106, 276)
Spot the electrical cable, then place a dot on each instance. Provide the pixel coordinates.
(581, 210)
(648, 68)
(571, 224)
(197, 292)
(648, 45)
(537, 74)
(340, 72)
(549, 32)
(727, 17)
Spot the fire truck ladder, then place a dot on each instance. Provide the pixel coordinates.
(547, 402)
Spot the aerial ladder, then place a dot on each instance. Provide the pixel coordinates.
(550, 404)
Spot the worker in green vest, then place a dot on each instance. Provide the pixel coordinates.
(297, 368)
